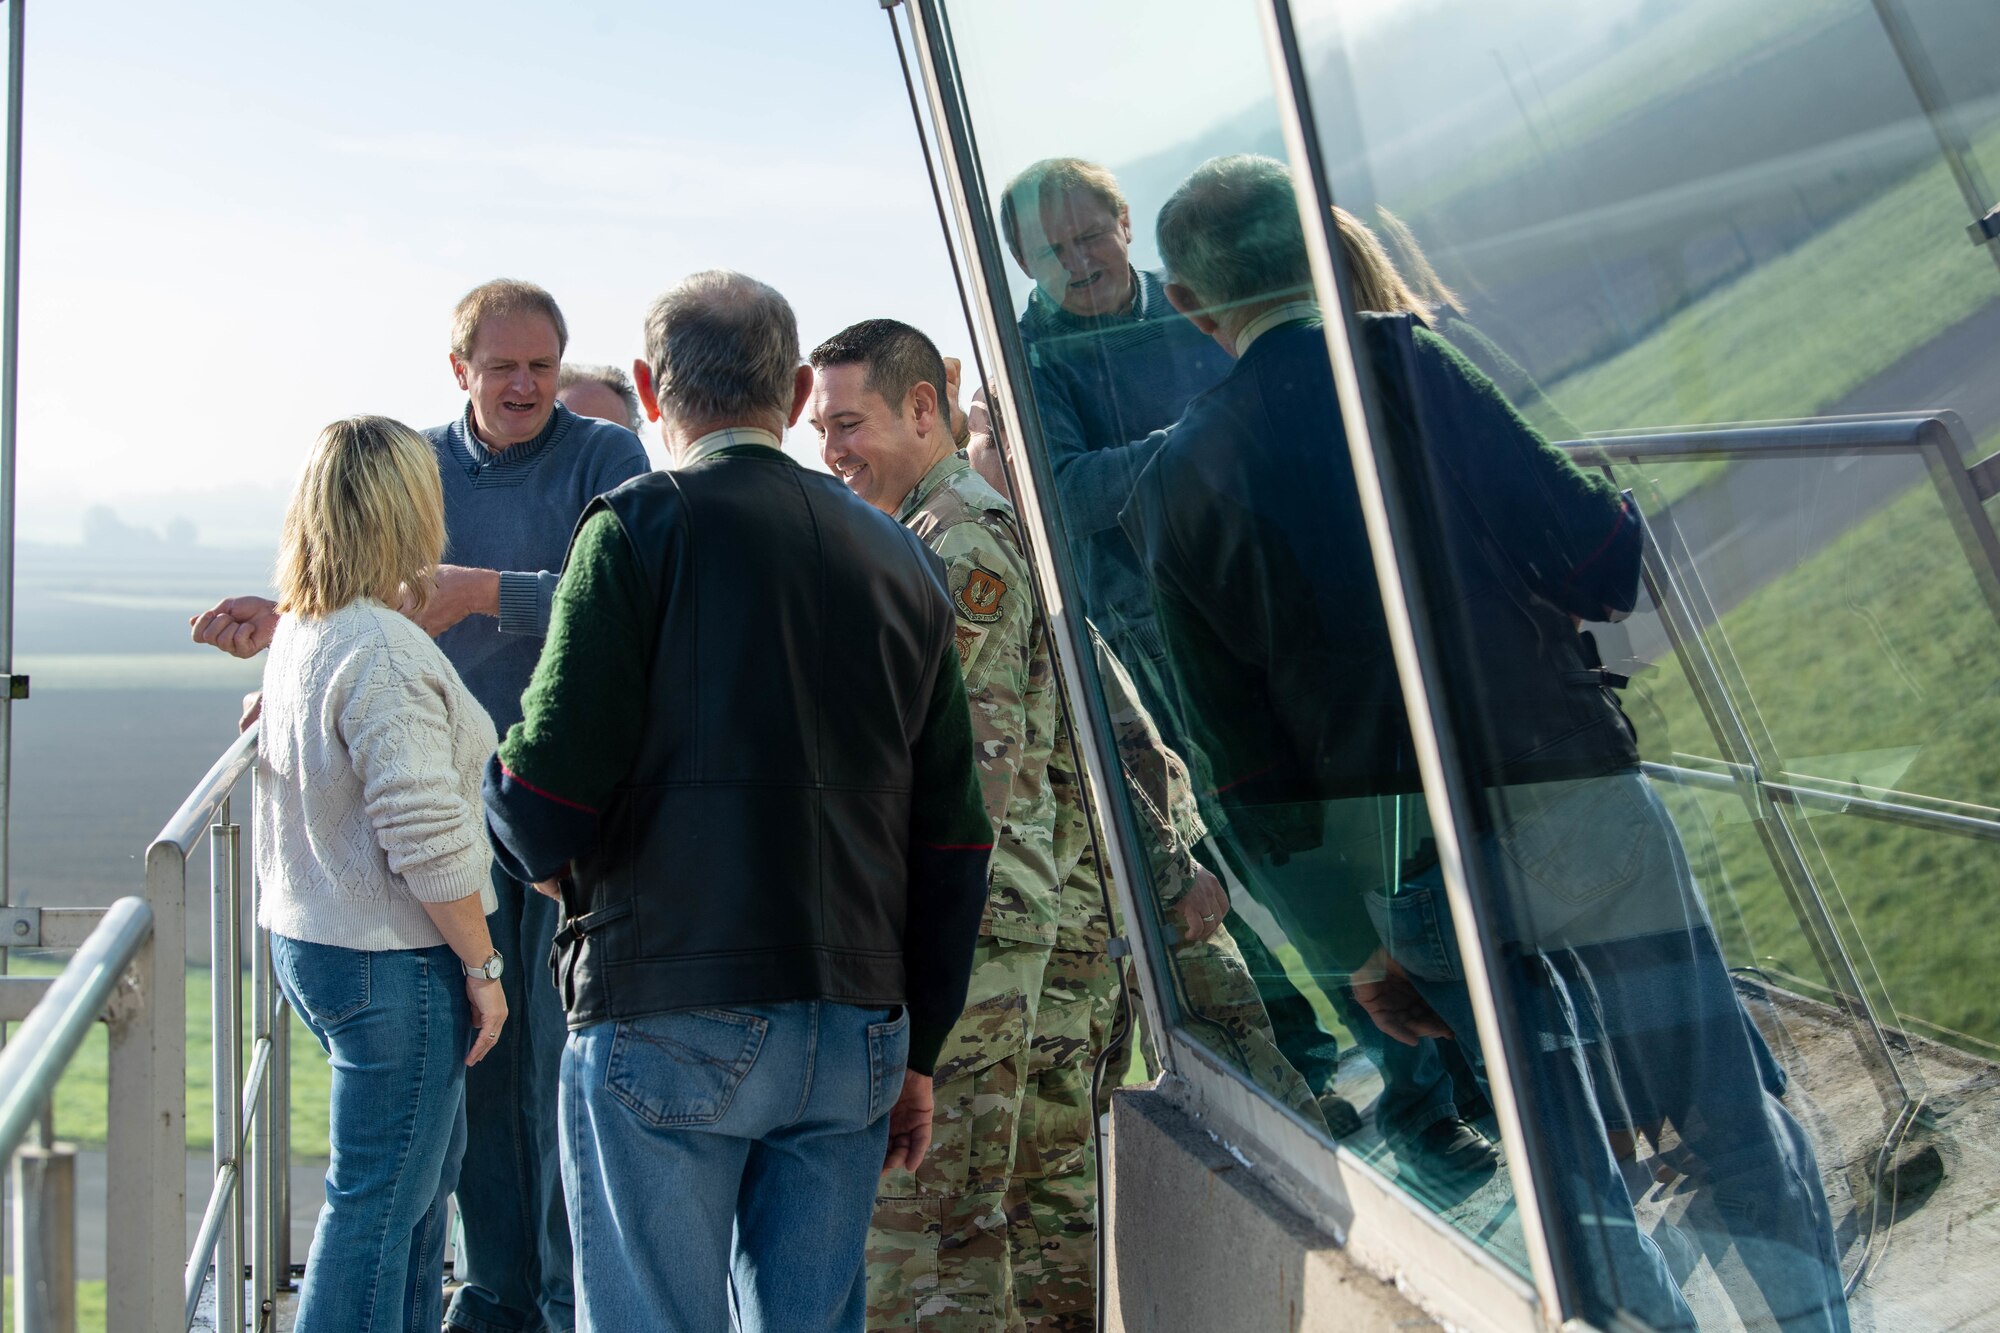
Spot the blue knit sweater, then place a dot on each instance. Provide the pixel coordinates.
(1106, 386)
(514, 511)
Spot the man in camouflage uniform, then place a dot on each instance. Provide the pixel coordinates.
(1052, 1200)
(938, 1252)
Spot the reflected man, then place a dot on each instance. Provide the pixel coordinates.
(1251, 524)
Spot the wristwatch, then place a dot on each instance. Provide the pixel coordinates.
(490, 969)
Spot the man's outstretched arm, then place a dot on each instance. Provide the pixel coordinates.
(239, 626)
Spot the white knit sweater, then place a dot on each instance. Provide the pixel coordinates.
(368, 768)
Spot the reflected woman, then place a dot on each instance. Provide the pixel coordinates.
(372, 854)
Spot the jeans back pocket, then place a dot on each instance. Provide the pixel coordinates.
(330, 983)
(888, 1058)
(683, 1068)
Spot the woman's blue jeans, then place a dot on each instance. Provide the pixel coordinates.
(396, 1025)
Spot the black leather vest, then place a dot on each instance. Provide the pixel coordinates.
(757, 850)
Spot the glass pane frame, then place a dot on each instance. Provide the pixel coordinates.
(1352, 1200)
(1384, 1228)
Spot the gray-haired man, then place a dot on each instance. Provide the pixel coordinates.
(603, 392)
(746, 751)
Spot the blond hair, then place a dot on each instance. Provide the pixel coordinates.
(502, 296)
(1415, 265)
(1371, 274)
(365, 520)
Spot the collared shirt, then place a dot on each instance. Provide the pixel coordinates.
(1288, 313)
(729, 437)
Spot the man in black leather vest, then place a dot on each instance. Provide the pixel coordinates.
(746, 767)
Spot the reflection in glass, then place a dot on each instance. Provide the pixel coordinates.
(1700, 673)
(1672, 221)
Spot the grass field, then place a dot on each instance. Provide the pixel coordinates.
(89, 1307)
(1796, 335)
(80, 1096)
(1871, 661)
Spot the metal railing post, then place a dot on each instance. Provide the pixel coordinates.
(10, 356)
(146, 1124)
(45, 1237)
(264, 1213)
(226, 1057)
(281, 1129)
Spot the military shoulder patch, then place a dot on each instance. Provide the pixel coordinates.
(965, 638)
(977, 593)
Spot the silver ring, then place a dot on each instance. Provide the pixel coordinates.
(1209, 917)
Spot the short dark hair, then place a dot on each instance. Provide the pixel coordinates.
(898, 357)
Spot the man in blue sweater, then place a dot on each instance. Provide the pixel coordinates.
(518, 469)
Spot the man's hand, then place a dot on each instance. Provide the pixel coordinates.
(550, 888)
(460, 592)
(955, 417)
(1391, 999)
(985, 448)
(239, 626)
(253, 708)
(1202, 907)
(489, 1015)
(910, 1124)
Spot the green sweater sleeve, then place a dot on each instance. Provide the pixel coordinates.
(578, 735)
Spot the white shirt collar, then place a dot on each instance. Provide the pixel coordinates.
(1289, 312)
(727, 438)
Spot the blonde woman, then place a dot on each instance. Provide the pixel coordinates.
(372, 854)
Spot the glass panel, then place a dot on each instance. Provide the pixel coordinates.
(1737, 897)
(1243, 662)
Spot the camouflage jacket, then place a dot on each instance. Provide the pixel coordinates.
(1009, 682)
(1163, 804)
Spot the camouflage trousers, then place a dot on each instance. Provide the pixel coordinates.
(1226, 1014)
(937, 1249)
(1052, 1198)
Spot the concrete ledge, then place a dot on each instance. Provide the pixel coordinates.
(1211, 1248)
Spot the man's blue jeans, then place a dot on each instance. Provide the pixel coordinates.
(515, 1262)
(395, 1026)
(1616, 974)
(720, 1164)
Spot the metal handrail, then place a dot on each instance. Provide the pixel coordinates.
(1865, 807)
(48, 1040)
(190, 822)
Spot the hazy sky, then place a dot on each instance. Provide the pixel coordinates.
(244, 220)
